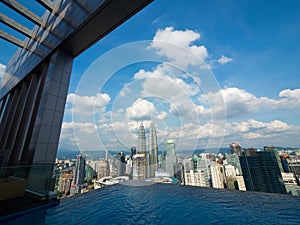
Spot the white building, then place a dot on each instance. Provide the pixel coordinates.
(195, 178)
(289, 179)
(216, 175)
(241, 183)
(230, 171)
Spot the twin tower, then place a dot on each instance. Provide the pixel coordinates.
(145, 165)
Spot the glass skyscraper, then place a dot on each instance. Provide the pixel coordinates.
(139, 161)
(153, 151)
(261, 171)
(80, 170)
(171, 157)
(141, 140)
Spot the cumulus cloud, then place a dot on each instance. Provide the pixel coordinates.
(165, 39)
(141, 109)
(88, 105)
(80, 136)
(291, 94)
(181, 100)
(224, 59)
(171, 85)
(188, 136)
(240, 102)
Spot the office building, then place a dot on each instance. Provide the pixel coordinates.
(194, 178)
(139, 160)
(203, 165)
(80, 170)
(132, 152)
(261, 171)
(103, 169)
(216, 175)
(235, 148)
(170, 157)
(139, 168)
(233, 159)
(240, 183)
(121, 164)
(274, 150)
(141, 140)
(179, 172)
(294, 167)
(153, 151)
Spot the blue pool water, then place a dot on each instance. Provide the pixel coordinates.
(168, 204)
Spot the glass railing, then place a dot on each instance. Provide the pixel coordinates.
(24, 186)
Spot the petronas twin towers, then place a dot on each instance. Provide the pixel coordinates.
(150, 160)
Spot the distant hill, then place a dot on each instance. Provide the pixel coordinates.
(67, 154)
(95, 155)
(212, 150)
(91, 154)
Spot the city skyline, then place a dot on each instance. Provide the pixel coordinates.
(113, 111)
(250, 51)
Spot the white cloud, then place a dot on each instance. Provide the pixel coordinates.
(141, 109)
(291, 94)
(177, 92)
(80, 136)
(124, 91)
(223, 59)
(165, 39)
(254, 125)
(240, 102)
(187, 136)
(171, 86)
(162, 116)
(88, 105)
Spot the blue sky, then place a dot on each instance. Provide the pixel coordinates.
(250, 48)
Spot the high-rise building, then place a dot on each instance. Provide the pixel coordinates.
(103, 168)
(162, 161)
(179, 172)
(132, 152)
(235, 148)
(139, 160)
(233, 159)
(241, 183)
(139, 169)
(261, 171)
(203, 165)
(171, 157)
(141, 140)
(121, 164)
(294, 167)
(153, 151)
(216, 175)
(194, 178)
(274, 150)
(80, 170)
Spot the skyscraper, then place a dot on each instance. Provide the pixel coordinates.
(261, 171)
(103, 169)
(274, 150)
(179, 172)
(139, 160)
(121, 164)
(235, 148)
(153, 151)
(141, 140)
(203, 165)
(132, 152)
(80, 170)
(171, 157)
